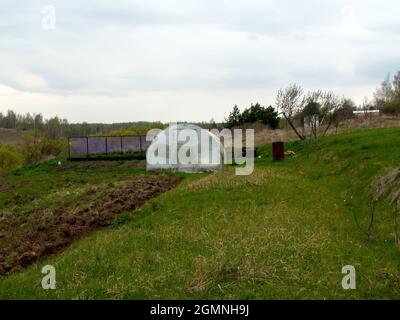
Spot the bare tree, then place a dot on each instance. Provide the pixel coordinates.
(312, 111)
(385, 93)
(317, 107)
(321, 109)
(289, 102)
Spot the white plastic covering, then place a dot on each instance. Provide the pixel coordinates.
(186, 148)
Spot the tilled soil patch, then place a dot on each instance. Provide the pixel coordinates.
(27, 236)
(6, 187)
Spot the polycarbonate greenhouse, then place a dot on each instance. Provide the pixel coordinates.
(186, 148)
(83, 147)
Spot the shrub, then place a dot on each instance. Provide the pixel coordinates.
(54, 147)
(391, 107)
(9, 160)
(36, 148)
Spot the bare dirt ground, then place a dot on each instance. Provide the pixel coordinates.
(6, 187)
(45, 230)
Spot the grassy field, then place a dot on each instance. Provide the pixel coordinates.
(10, 136)
(284, 232)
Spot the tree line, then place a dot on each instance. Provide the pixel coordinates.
(55, 127)
(317, 110)
(256, 113)
(313, 109)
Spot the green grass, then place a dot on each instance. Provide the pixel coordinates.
(110, 156)
(285, 232)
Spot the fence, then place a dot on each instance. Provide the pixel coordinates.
(80, 147)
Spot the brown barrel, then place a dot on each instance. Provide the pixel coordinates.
(278, 151)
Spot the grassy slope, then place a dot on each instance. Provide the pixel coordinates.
(283, 232)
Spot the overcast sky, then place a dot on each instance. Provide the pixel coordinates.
(169, 60)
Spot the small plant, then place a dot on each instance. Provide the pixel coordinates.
(371, 221)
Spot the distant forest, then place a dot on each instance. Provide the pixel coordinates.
(386, 99)
(56, 127)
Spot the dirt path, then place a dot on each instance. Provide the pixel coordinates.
(6, 187)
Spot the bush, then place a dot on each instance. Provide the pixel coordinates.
(391, 107)
(9, 160)
(36, 148)
(54, 148)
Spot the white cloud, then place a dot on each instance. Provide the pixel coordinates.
(176, 60)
